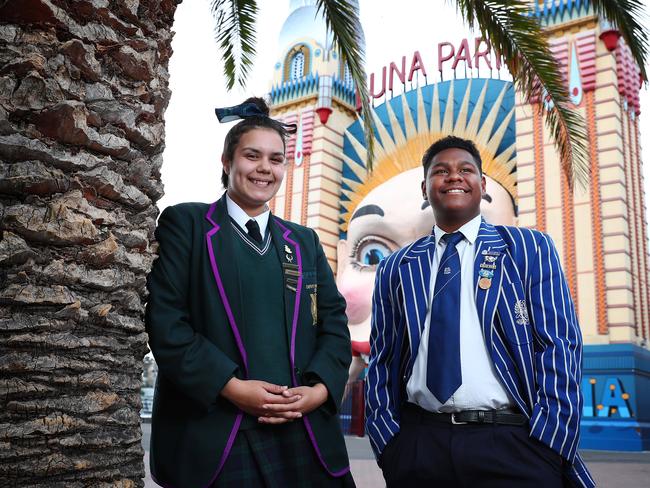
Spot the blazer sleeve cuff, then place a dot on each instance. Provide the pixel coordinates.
(542, 427)
(579, 475)
(381, 430)
(330, 406)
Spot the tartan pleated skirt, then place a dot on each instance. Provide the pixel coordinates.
(270, 456)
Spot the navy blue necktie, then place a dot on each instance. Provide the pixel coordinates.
(254, 230)
(443, 362)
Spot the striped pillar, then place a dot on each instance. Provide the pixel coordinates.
(644, 258)
(540, 183)
(596, 219)
(569, 237)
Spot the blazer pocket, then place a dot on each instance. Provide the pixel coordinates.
(514, 314)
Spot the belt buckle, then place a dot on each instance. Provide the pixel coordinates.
(456, 422)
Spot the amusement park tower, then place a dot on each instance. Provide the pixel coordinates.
(312, 88)
(600, 230)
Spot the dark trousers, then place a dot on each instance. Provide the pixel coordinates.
(428, 454)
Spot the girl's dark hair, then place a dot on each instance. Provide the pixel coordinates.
(248, 124)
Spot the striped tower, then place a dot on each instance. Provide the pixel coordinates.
(313, 89)
(600, 229)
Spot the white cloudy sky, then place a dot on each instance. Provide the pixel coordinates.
(191, 168)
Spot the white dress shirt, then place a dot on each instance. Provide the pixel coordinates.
(238, 215)
(480, 388)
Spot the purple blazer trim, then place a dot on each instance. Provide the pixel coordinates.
(226, 451)
(222, 292)
(235, 331)
(292, 353)
(312, 437)
(224, 456)
(296, 306)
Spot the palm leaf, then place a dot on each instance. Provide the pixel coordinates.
(628, 17)
(517, 37)
(235, 34)
(342, 19)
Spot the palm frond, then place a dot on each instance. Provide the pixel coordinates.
(342, 19)
(235, 33)
(517, 37)
(629, 18)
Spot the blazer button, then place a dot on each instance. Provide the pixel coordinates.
(298, 371)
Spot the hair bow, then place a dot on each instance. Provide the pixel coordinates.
(241, 111)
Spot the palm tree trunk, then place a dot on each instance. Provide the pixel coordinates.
(83, 90)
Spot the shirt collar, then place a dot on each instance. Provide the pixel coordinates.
(240, 217)
(469, 229)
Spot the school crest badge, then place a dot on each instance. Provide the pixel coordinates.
(521, 313)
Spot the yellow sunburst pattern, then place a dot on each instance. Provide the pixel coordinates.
(481, 110)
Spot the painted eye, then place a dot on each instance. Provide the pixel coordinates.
(371, 253)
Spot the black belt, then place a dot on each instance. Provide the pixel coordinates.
(417, 414)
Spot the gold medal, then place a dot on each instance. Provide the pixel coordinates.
(484, 283)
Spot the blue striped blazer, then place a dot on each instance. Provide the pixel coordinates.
(536, 349)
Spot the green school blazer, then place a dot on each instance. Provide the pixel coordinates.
(193, 318)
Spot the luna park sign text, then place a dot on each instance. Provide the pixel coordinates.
(474, 54)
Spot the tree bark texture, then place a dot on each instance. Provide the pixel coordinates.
(83, 90)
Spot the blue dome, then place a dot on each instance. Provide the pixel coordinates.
(304, 21)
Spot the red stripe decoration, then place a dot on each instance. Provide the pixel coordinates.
(560, 50)
(307, 133)
(291, 142)
(586, 48)
(629, 77)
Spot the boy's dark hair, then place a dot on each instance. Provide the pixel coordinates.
(450, 142)
(248, 124)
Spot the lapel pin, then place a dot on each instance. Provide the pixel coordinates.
(484, 283)
(485, 280)
(486, 273)
(488, 252)
(289, 253)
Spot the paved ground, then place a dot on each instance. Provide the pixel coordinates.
(610, 469)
